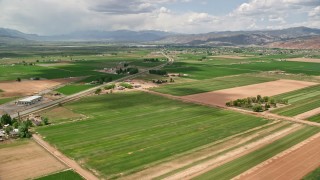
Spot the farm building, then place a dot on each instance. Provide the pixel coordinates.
(29, 100)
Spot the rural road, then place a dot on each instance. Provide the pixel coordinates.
(86, 92)
(67, 161)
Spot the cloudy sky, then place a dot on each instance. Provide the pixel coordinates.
(47, 17)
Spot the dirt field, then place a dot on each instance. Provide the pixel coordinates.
(55, 64)
(27, 160)
(304, 60)
(230, 57)
(308, 114)
(292, 164)
(25, 88)
(220, 97)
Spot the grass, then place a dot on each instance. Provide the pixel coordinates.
(64, 175)
(6, 100)
(213, 68)
(300, 101)
(244, 163)
(73, 88)
(315, 118)
(128, 132)
(195, 87)
(314, 175)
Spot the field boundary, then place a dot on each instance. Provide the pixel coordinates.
(64, 159)
(274, 158)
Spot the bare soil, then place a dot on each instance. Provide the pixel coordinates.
(30, 87)
(308, 114)
(230, 57)
(199, 169)
(304, 60)
(55, 64)
(27, 161)
(272, 88)
(292, 164)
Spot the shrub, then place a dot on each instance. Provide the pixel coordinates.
(98, 91)
(110, 86)
(126, 85)
(257, 108)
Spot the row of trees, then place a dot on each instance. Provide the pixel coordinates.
(158, 72)
(152, 59)
(258, 103)
(130, 70)
(102, 80)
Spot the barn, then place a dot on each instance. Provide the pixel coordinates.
(29, 100)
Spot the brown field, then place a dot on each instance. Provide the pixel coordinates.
(231, 57)
(26, 160)
(55, 64)
(272, 88)
(292, 164)
(29, 87)
(304, 60)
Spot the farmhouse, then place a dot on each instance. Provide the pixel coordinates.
(29, 100)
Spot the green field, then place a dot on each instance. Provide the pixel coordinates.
(64, 175)
(125, 133)
(315, 118)
(314, 175)
(6, 100)
(201, 86)
(218, 68)
(244, 163)
(300, 101)
(73, 88)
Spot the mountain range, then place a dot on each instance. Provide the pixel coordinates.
(306, 37)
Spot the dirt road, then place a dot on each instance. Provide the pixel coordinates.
(69, 162)
(292, 164)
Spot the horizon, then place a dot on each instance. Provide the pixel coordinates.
(177, 16)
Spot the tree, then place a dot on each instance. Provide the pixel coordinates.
(98, 91)
(8, 129)
(257, 108)
(45, 121)
(6, 119)
(24, 129)
(19, 79)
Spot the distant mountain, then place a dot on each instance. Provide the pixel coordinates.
(112, 36)
(312, 42)
(270, 38)
(241, 38)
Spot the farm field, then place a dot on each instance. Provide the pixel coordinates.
(215, 153)
(33, 162)
(64, 175)
(315, 118)
(218, 66)
(300, 101)
(244, 163)
(201, 86)
(313, 60)
(221, 97)
(314, 175)
(29, 87)
(144, 135)
(73, 88)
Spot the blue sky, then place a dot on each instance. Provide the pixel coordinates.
(47, 17)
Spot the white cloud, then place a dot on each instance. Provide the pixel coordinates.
(56, 17)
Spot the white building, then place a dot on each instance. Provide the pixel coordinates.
(29, 100)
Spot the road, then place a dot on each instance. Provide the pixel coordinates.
(86, 92)
(67, 161)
